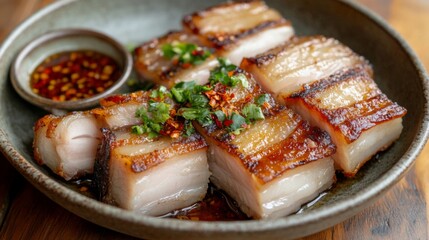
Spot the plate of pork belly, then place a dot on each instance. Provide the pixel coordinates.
(242, 120)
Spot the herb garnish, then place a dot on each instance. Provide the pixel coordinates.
(262, 99)
(195, 103)
(154, 115)
(185, 53)
(208, 104)
(224, 74)
(252, 112)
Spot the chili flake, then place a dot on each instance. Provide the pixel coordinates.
(74, 75)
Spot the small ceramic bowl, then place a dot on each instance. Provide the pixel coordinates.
(62, 41)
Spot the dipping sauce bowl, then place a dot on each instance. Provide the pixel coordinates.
(38, 53)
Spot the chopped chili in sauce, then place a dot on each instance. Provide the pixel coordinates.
(74, 75)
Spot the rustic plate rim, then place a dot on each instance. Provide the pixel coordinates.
(53, 189)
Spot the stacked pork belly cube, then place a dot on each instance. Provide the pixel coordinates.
(128, 170)
(332, 87)
(320, 111)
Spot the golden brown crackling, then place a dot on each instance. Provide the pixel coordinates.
(304, 145)
(144, 162)
(350, 121)
(166, 71)
(270, 56)
(135, 97)
(223, 40)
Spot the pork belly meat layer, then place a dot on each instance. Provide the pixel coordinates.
(287, 68)
(152, 65)
(273, 166)
(119, 110)
(67, 144)
(351, 108)
(151, 176)
(239, 29)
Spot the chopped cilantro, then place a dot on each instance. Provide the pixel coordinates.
(239, 78)
(185, 52)
(252, 112)
(193, 113)
(189, 128)
(189, 92)
(202, 115)
(238, 123)
(220, 115)
(156, 114)
(224, 74)
(261, 99)
(160, 111)
(198, 101)
(161, 92)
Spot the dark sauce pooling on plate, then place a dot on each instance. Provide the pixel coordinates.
(74, 75)
(216, 206)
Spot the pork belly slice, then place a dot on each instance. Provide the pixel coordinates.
(287, 68)
(272, 166)
(151, 64)
(67, 144)
(351, 108)
(239, 29)
(151, 176)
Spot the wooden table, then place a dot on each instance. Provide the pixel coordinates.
(400, 214)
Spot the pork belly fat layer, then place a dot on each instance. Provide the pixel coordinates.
(287, 68)
(131, 172)
(151, 64)
(239, 29)
(282, 196)
(349, 106)
(67, 145)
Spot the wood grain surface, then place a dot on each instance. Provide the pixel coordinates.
(25, 213)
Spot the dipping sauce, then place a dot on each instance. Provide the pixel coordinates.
(74, 75)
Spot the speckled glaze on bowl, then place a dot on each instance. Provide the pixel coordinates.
(397, 70)
(62, 40)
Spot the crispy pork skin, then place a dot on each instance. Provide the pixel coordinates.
(67, 144)
(287, 68)
(151, 176)
(351, 108)
(274, 165)
(239, 29)
(151, 64)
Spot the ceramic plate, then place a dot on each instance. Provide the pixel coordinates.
(397, 71)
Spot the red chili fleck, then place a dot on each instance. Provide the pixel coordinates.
(218, 123)
(227, 122)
